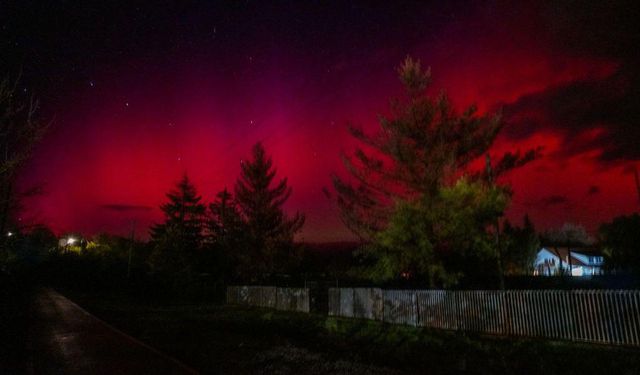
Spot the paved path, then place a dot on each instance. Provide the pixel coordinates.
(65, 339)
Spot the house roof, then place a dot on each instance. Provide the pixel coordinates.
(563, 252)
(593, 252)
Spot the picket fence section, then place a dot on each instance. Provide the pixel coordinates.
(599, 316)
(285, 299)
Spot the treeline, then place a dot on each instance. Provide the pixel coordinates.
(425, 211)
(242, 236)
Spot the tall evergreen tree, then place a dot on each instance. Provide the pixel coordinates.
(178, 240)
(424, 146)
(268, 229)
(408, 180)
(224, 217)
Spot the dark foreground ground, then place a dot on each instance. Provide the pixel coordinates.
(225, 340)
(65, 339)
(229, 340)
(233, 340)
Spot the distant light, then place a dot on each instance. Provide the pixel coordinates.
(9, 234)
(71, 240)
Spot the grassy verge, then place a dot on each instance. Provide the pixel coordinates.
(221, 339)
(15, 296)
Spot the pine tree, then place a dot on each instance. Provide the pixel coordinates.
(413, 176)
(267, 228)
(226, 234)
(224, 219)
(178, 240)
(424, 146)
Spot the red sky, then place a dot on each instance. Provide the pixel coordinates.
(133, 115)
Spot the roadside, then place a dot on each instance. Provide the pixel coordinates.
(65, 339)
(15, 297)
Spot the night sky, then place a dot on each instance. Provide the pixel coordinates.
(145, 91)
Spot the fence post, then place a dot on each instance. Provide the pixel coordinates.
(458, 309)
(417, 308)
(353, 302)
(384, 298)
(507, 312)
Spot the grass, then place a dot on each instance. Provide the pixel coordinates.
(219, 339)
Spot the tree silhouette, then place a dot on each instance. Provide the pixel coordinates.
(178, 239)
(226, 234)
(268, 230)
(521, 246)
(20, 130)
(620, 241)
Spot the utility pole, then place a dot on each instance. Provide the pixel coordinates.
(133, 231)
(635, 170)
(490, 178)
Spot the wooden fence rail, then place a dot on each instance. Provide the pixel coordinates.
(286, 299)
(599, 316)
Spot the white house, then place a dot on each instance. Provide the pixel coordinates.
(584, 262)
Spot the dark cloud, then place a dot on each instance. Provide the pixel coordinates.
(609, 107)
(125, 207)
(592, 31)
(554, 200)
(593, 189)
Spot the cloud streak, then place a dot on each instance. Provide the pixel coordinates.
(118, 207)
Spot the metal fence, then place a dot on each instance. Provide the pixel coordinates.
(286, 299)
(599, 316)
